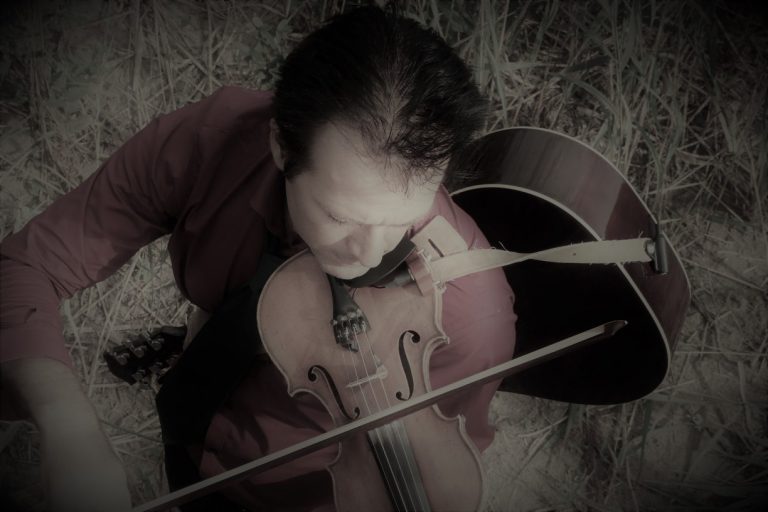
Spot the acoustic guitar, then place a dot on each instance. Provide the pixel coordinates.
(530, 189)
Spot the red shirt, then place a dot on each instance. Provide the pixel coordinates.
(205, 174)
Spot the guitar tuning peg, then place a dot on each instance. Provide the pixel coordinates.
(139, 375)
(137, 351)
(156, 344)
(121, 357)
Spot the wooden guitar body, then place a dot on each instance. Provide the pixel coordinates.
(533, 189)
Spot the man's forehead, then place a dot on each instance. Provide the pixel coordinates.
(335, 144)
(377, 207)
(339, 164)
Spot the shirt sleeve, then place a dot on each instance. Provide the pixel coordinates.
(85, 235)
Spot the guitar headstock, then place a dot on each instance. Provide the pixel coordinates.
(150, 354)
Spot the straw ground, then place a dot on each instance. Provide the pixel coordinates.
(674, 93)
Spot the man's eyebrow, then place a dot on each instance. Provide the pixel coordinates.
(328, 211)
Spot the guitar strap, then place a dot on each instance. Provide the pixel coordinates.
(207, 372)
(442, 255)
(216, 360)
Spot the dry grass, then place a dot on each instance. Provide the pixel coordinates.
(673, 92)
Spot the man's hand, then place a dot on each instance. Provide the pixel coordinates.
(195, 322)
(80, 471)
(82, 474)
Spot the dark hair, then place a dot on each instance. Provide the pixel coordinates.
(397, 83)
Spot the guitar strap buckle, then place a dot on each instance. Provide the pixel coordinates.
(657, 249)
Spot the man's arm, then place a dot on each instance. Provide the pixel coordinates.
(80, 468)
(49, 393)
(80, 239)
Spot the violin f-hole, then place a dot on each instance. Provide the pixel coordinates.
(415, 338)
(312, 375)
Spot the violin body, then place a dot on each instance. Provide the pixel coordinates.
(424, 456)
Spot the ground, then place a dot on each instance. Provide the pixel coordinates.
(673, 93)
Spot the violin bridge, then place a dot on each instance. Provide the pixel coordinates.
(381, 374)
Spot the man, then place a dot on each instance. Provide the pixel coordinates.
(345, 159)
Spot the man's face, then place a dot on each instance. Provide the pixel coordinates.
(346, 207)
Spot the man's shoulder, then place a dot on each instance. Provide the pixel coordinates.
(228, 108)
(464, 225)
(474, 238)
(237, 97)
(232, 106)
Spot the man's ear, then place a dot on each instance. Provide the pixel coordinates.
(277, 151)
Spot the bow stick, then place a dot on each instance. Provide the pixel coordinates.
(271, 460)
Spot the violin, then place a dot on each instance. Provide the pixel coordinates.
(379, 357)
(363, 351)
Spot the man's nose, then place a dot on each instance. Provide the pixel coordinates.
(369, 244)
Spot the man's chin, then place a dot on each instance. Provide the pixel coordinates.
(344, 271)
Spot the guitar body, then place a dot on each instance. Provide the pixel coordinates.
(534, 189)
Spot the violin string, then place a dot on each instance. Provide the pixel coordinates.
(396, 440)
(382, 434)
(379, 446)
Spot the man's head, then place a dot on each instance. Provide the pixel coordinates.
(369, 109)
